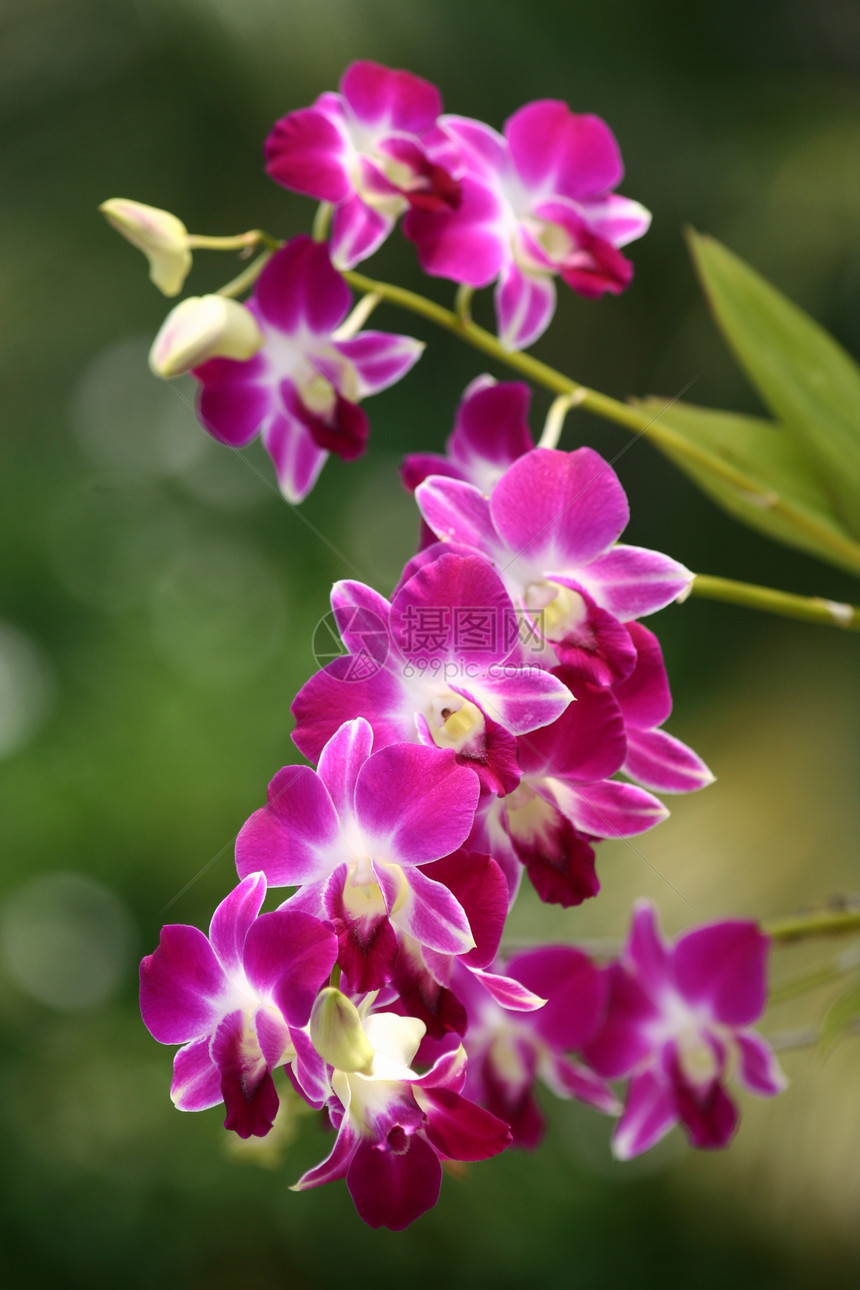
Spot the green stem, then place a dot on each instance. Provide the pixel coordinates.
(812, 980)
(237, 242)
(642, 421)
(236, 286)
(822, 922)
(810, 609)
(322, 220)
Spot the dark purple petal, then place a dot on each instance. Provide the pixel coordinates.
(515, 1107)
(460, 1129)
(648, 1116)
(231, 405)
(394, 1182)
(560, 510)
(709, 1115)
(288, 956)
(341, 760)
(595, 267)
(366, 942)
(414, 803)
(246, 1085)
(525, 304)
(290, 838)
(233, 919)
(724, 966)
(344, 430)
(422, 995)
(181, 986)
(306, 152)
(558, 151)
(196, 1079)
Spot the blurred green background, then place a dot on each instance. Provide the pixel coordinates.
(158, 601)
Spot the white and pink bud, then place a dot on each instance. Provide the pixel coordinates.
(200, 328)
(161, 236)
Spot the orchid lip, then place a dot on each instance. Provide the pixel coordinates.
(455, 722)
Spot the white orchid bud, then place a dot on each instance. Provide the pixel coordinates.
(161, 236)
(200, 328)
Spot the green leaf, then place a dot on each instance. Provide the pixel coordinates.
(808, 381)
(842, 1012)
(753, 469)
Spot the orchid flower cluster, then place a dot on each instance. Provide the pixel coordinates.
(494, 720)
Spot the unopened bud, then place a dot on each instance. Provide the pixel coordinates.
(161, 236)
(337, 1033)
(200, 328)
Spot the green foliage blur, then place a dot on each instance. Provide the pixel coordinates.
(158, 601)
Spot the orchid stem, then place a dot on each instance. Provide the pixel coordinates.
(810, 609)
(822, 922)
(236, 286)
(640, 421)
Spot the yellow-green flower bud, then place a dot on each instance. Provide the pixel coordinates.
(161, 236)
(200, 328)
(337, 1033)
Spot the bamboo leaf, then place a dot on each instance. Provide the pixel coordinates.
(753, 469)
(804, 376)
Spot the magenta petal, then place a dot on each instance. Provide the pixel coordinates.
(576, 992)
(645, 951)
(644, 694)
(362, 619)
(630, 581)
(724, 966)
(233, 919)
(460, 1129)
(394, 1182)
(475, 620)
(379, 95)
(346, 688)
(297, 459)
(430, 914)
(342, 759)
(759, 1071)
(623, 1040)
(289, 839)
(305, 151)
(458, 512)
(418, 466)
(288, 956)
(367, 946)
(196, 1079)
(247, 1087)
(308, 1072)
(380, 358)
(525, 304)
(483, 148)
(571, 1079)
(609, 809)
(586, 742)
(357, 231)
(648, 1116)
(559, 509)
(336, 1163)
(479, 886)
(521, 698)
(298, 287)
(181, 985)
(658, 760)
(492, 427)
(415, 803)
(507, 992)
(556, 150)
(466, 245)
